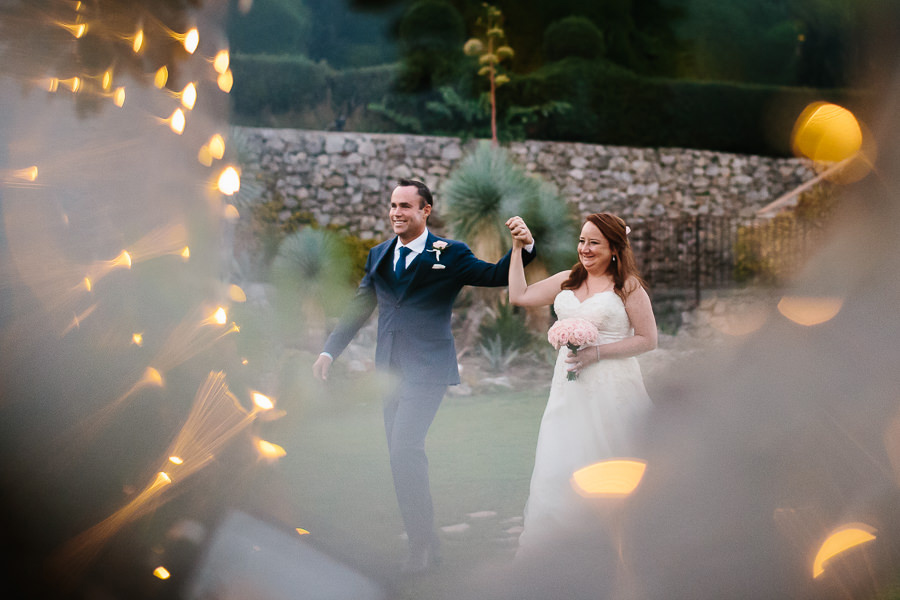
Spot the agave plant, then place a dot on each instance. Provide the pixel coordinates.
(312, 275)
(487, 188)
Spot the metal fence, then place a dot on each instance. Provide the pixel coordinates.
(695, 253)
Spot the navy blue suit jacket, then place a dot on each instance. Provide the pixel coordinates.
(414, 337)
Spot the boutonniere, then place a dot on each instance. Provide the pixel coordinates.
(436, 248)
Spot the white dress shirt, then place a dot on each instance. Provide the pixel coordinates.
(416, 247)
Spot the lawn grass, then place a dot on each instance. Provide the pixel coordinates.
(481, 452)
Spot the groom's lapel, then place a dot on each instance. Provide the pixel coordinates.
(384, 254)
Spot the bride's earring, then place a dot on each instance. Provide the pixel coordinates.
(614, 258)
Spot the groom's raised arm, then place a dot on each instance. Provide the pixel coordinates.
(484, 274)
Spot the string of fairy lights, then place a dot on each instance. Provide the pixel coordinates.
(217, 415)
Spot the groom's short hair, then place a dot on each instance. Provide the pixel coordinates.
(424, 192)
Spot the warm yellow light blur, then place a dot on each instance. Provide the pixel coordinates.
(220, 316)
(152, 377)
(161, 77)
(217, 146)
(231, 212)
(204, 156)
(138, 41)
(161, 573)
(189, 96)
(262, 401)
(301, 531)
(27, 174)
(106, 82)
(73, 83)
(245, 362)
(236, 293)
(52, 84)
(826, 132)
(76, 29)
(221, 61)
(609, 479)
(123, 260)
(225, 81)
(808, 311)
(87, 284)
(186, 253)
(176, 460)
(137, 339)
(269, 450)
(229, 181)
(162, 478)
(119, 97)
(176, 121)
(838, 541)
(191, 40)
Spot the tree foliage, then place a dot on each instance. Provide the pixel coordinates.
(270, 27)
(573, 36)
(430, 37)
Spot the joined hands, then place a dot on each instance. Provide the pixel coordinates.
(520, 232)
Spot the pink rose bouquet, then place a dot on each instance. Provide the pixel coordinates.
(572, 333)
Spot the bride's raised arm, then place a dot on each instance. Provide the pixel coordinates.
(540, 293)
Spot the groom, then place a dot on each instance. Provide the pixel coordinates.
(414, 279)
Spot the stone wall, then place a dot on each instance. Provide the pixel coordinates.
(345, 179)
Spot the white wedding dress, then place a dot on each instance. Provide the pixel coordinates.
(591, 419)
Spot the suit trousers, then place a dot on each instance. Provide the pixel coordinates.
(408, 413)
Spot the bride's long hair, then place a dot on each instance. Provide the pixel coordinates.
(622, 267)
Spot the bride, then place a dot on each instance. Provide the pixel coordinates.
(594, 417)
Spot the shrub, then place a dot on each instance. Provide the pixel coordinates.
(275, 84)
(312, 274)
(431, 35)
(572, 36)
(503, 336)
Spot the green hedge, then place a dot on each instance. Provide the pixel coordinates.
(608, 104)
(612, 105)
(266, 84)
(277, 83)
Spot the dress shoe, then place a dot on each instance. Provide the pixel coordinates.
(420, 559)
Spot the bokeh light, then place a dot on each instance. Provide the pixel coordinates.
(826, 132)
(221, 61)
(609, 479)
(138, 41)
(808, 310)
(176, 121)
(161, 77)
(189, 96)
(229, 181)
(225, 81)
(839, 541)
(191, 40)
(161, 573)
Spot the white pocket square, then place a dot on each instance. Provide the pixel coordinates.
(438, 266)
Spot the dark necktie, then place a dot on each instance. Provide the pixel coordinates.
(401, 262)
